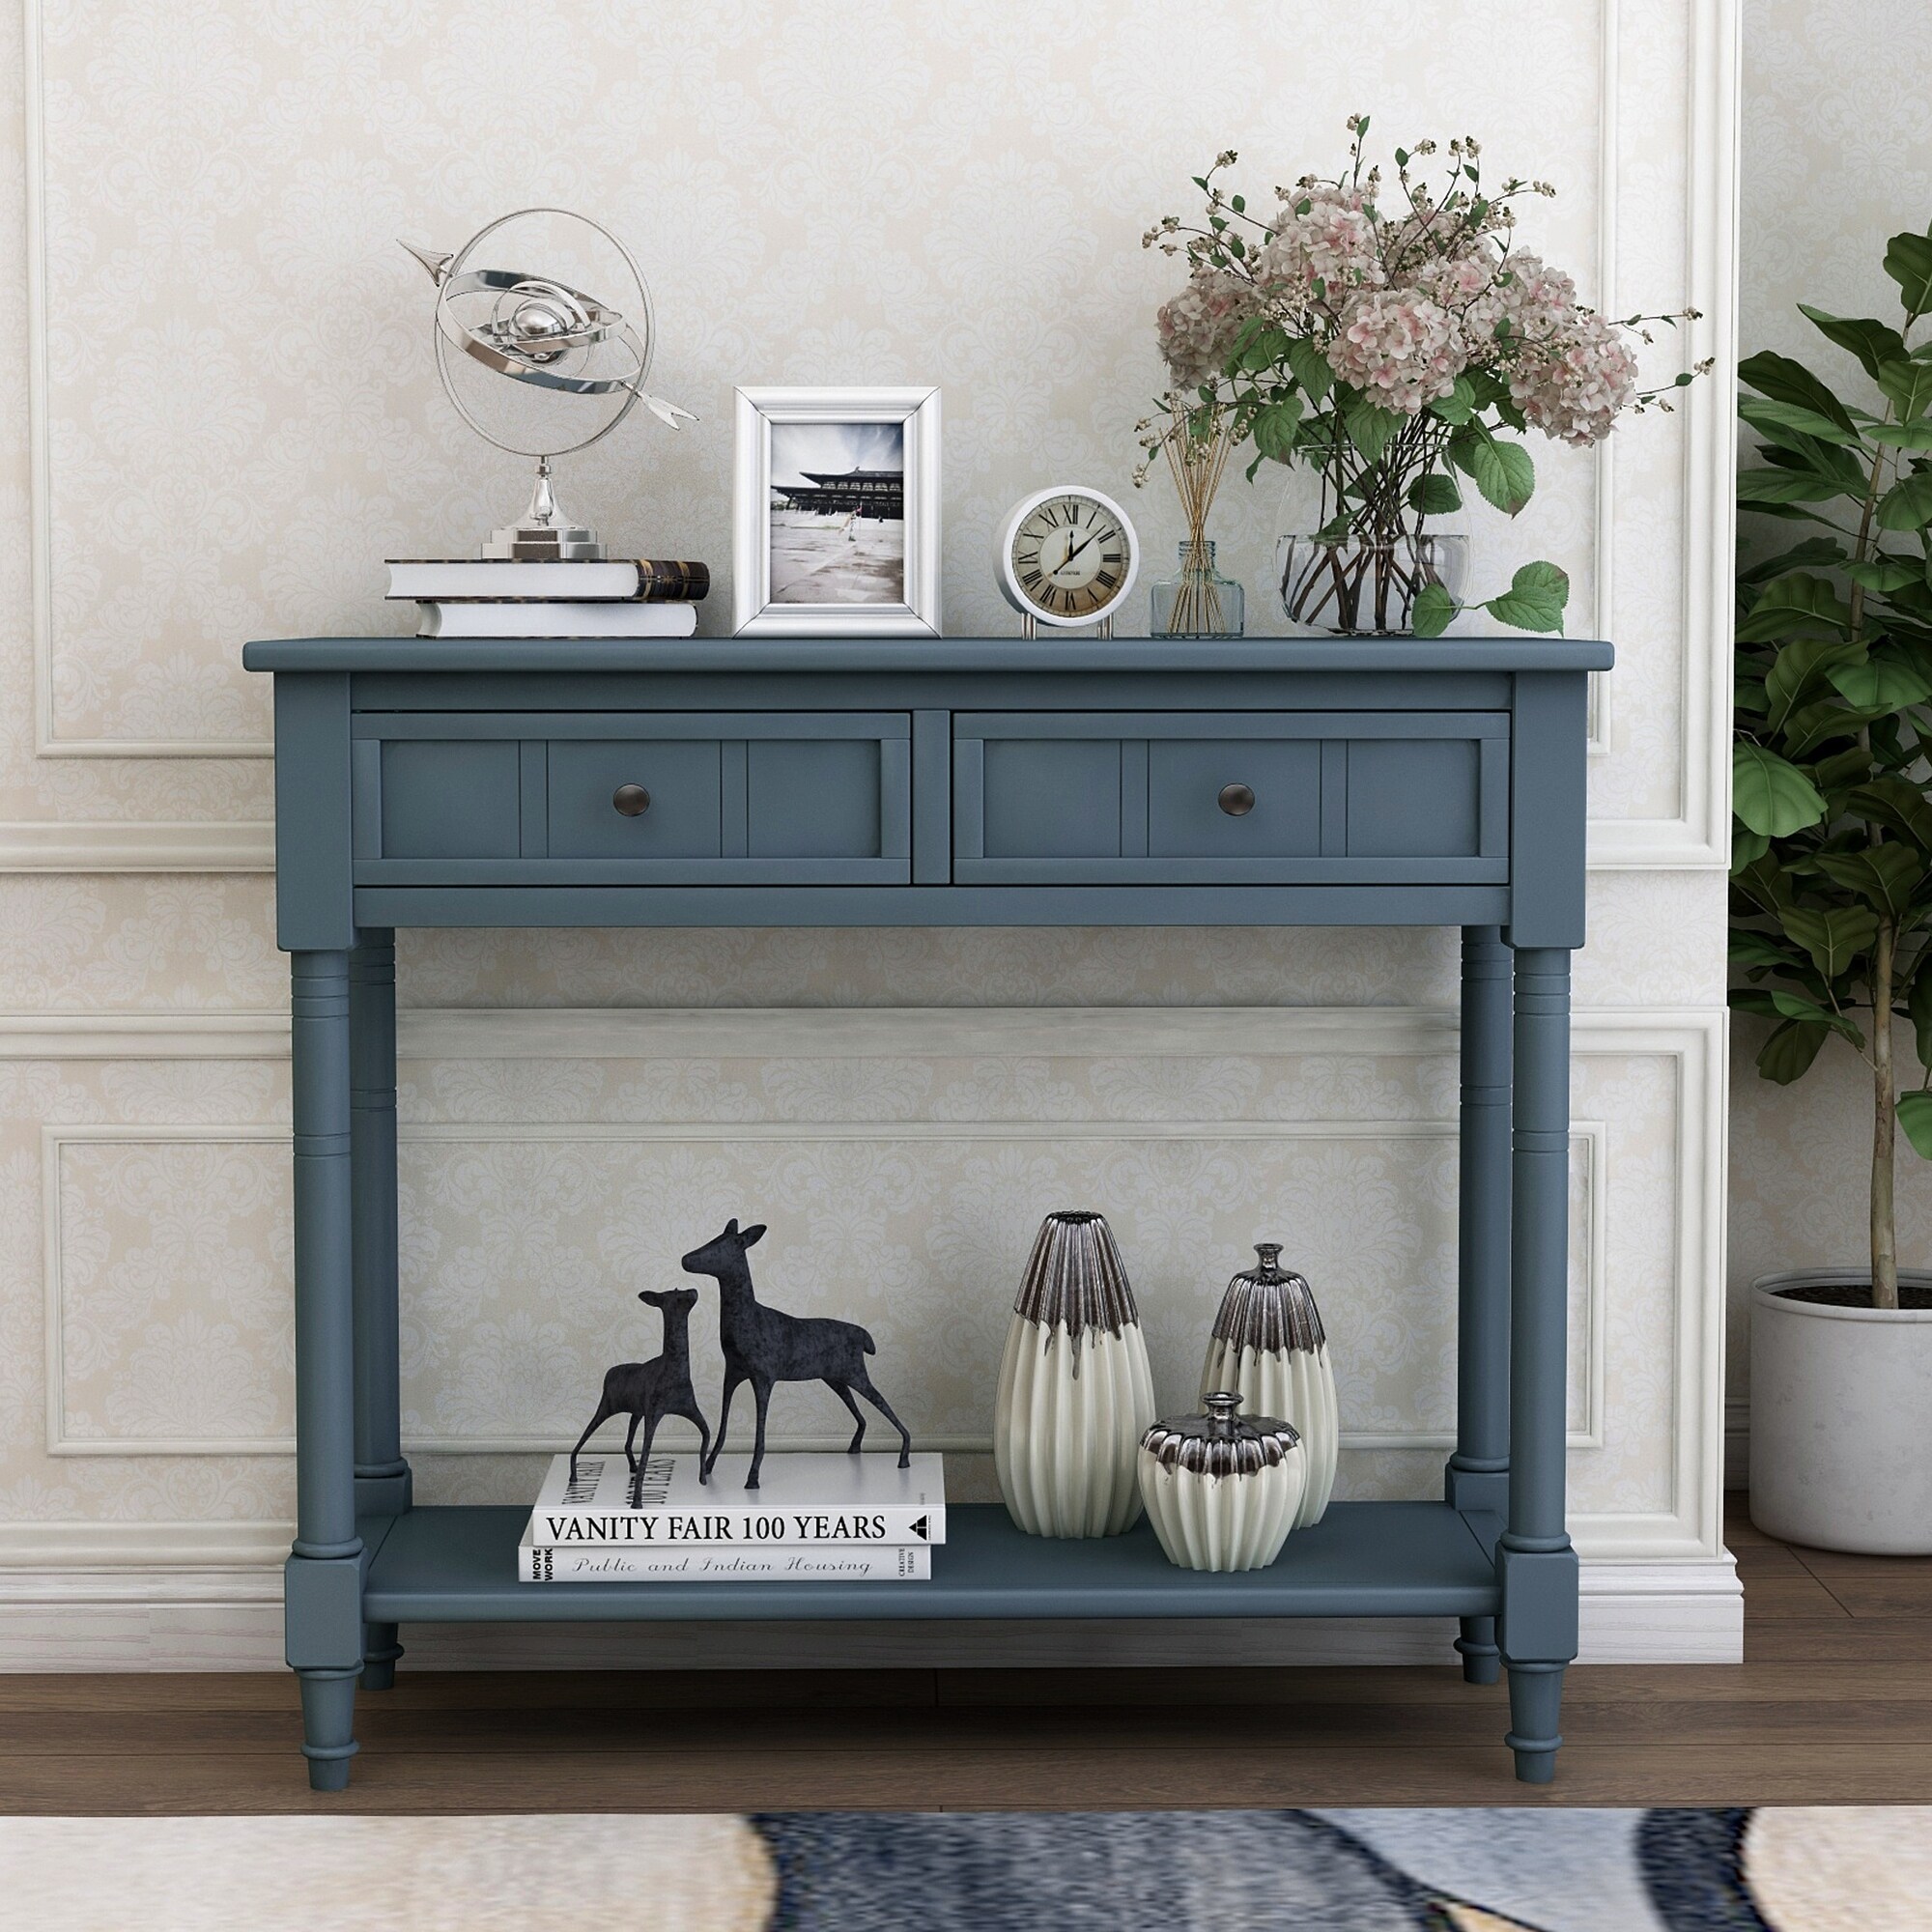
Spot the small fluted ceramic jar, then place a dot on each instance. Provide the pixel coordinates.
(1267, 1343)
(1222, 1490)
(1075, 1391)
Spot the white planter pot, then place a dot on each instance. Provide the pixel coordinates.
(1841, 1418)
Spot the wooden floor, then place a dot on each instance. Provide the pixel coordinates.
(1833, 1704)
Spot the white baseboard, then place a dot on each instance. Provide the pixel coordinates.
(107, 1609)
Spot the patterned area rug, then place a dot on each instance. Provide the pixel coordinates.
(1847, 1869)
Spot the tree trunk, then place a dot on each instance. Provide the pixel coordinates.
(1885, 1124)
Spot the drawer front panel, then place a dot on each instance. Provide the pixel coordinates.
(1171, 798)
(753, 798)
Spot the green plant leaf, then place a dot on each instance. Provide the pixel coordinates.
(1907, 504)
(1796, 676)
(1770, 795)
(1914, 1116)
(1812, 727)
(1459, 404)
(1759, 488)
(1746, 848)
(1795, 1006)
(1899, 805)
(1534, 600)
(1502, 470)
(1887, 682)
(1370, 427)
(1274, 428)
(1761, 886)
(1432, 611)
(1813, 549)
(1833, 937)
(1902, 435)
(1909, 386)
(1784, 381)
(1795, 606)
(1871, 342)
(1311, 368)
(1793, 426)
(1884, 876)
(1752, 948)
(1435, 495)
(1885, 574)
(1787, 1055)
(1908, 261)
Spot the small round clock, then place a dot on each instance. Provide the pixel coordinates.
(1067, 557)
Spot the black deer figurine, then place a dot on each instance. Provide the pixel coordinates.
(763, 1347)
(650, 1391)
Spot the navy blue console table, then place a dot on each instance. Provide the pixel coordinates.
(881, 784)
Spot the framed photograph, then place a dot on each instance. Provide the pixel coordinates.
(837, 531)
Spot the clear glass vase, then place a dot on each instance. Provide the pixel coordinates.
(1359, 588)
(1197, 601)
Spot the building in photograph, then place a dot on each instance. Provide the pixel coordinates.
(871, 492)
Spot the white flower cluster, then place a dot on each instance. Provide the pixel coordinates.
(1198, 328)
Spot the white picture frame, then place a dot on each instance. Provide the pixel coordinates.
(801, 418)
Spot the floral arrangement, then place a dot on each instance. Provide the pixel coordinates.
(1394, 345)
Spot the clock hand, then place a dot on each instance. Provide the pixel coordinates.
(1076, 550)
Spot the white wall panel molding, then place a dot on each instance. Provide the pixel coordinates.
(124, 1036)
(105, 845)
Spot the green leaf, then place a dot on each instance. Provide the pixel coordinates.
(1899, 805)
(1757, 487)
(1788, 424)
(1746, 848)
(1784, 381)
(1884, 876)
(1502, 470)
(1908, 261)
(1433, 611)
(1795, 1006)
(1534, 600)
(1909, 386)
(1274, 428)
(1751, 947)
(1796, 606)
(1812, 727)
(1787, 1055)
(1833, 938)
(1813, 549)
(1871, 342)
(1800, 669)
(1885, 574)
(1914, 1116)
(1902, 435)
(1370, 427)
(1311, 368)
(1762, 884)
(1770, 795)
(1918, 1007)
(1459, 404)
(1435, 495)
(1886, 682)
(1907, 504)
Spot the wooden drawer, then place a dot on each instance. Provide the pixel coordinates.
(1337, 796)
(750, 798)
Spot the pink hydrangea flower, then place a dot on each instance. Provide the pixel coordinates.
(1197, 328)
(1400, 348)
(1574, 385)
(1326, 235)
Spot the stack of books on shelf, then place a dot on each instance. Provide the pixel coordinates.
(812, 1517)
(504, 597)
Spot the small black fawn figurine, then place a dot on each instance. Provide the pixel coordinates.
(650, 1391)
(763, 1347)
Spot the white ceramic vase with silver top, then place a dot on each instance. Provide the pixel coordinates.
(1222, 1488)
(1269, 1346)
(1075, 1391)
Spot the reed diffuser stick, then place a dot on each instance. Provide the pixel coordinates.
(1195, 442)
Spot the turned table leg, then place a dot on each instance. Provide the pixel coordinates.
(1536, 1565)
(324, 1568)
(382, 1475)
(1477, 1476)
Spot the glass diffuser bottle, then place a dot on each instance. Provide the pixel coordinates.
(1197, 601)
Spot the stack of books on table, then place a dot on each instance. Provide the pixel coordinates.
(812, 1517)
(504, 597)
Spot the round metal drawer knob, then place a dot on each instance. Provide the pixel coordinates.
(1237, 800)
(632, 801)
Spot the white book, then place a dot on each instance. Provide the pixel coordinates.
(801, 1499)
(582, 579)
(614, 619)
(824, 1563)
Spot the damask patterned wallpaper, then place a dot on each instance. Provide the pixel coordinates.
(1837, 155)
(226, 418)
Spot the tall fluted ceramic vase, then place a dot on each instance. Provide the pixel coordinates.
(1268, 1344)
(1075, 1392)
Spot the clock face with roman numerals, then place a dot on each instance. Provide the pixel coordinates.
(1068, 556)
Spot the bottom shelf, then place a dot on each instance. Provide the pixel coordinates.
(1404, 1559)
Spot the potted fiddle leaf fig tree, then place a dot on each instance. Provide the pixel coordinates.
(1831, 877)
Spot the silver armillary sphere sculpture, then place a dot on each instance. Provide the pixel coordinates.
(539, 331)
